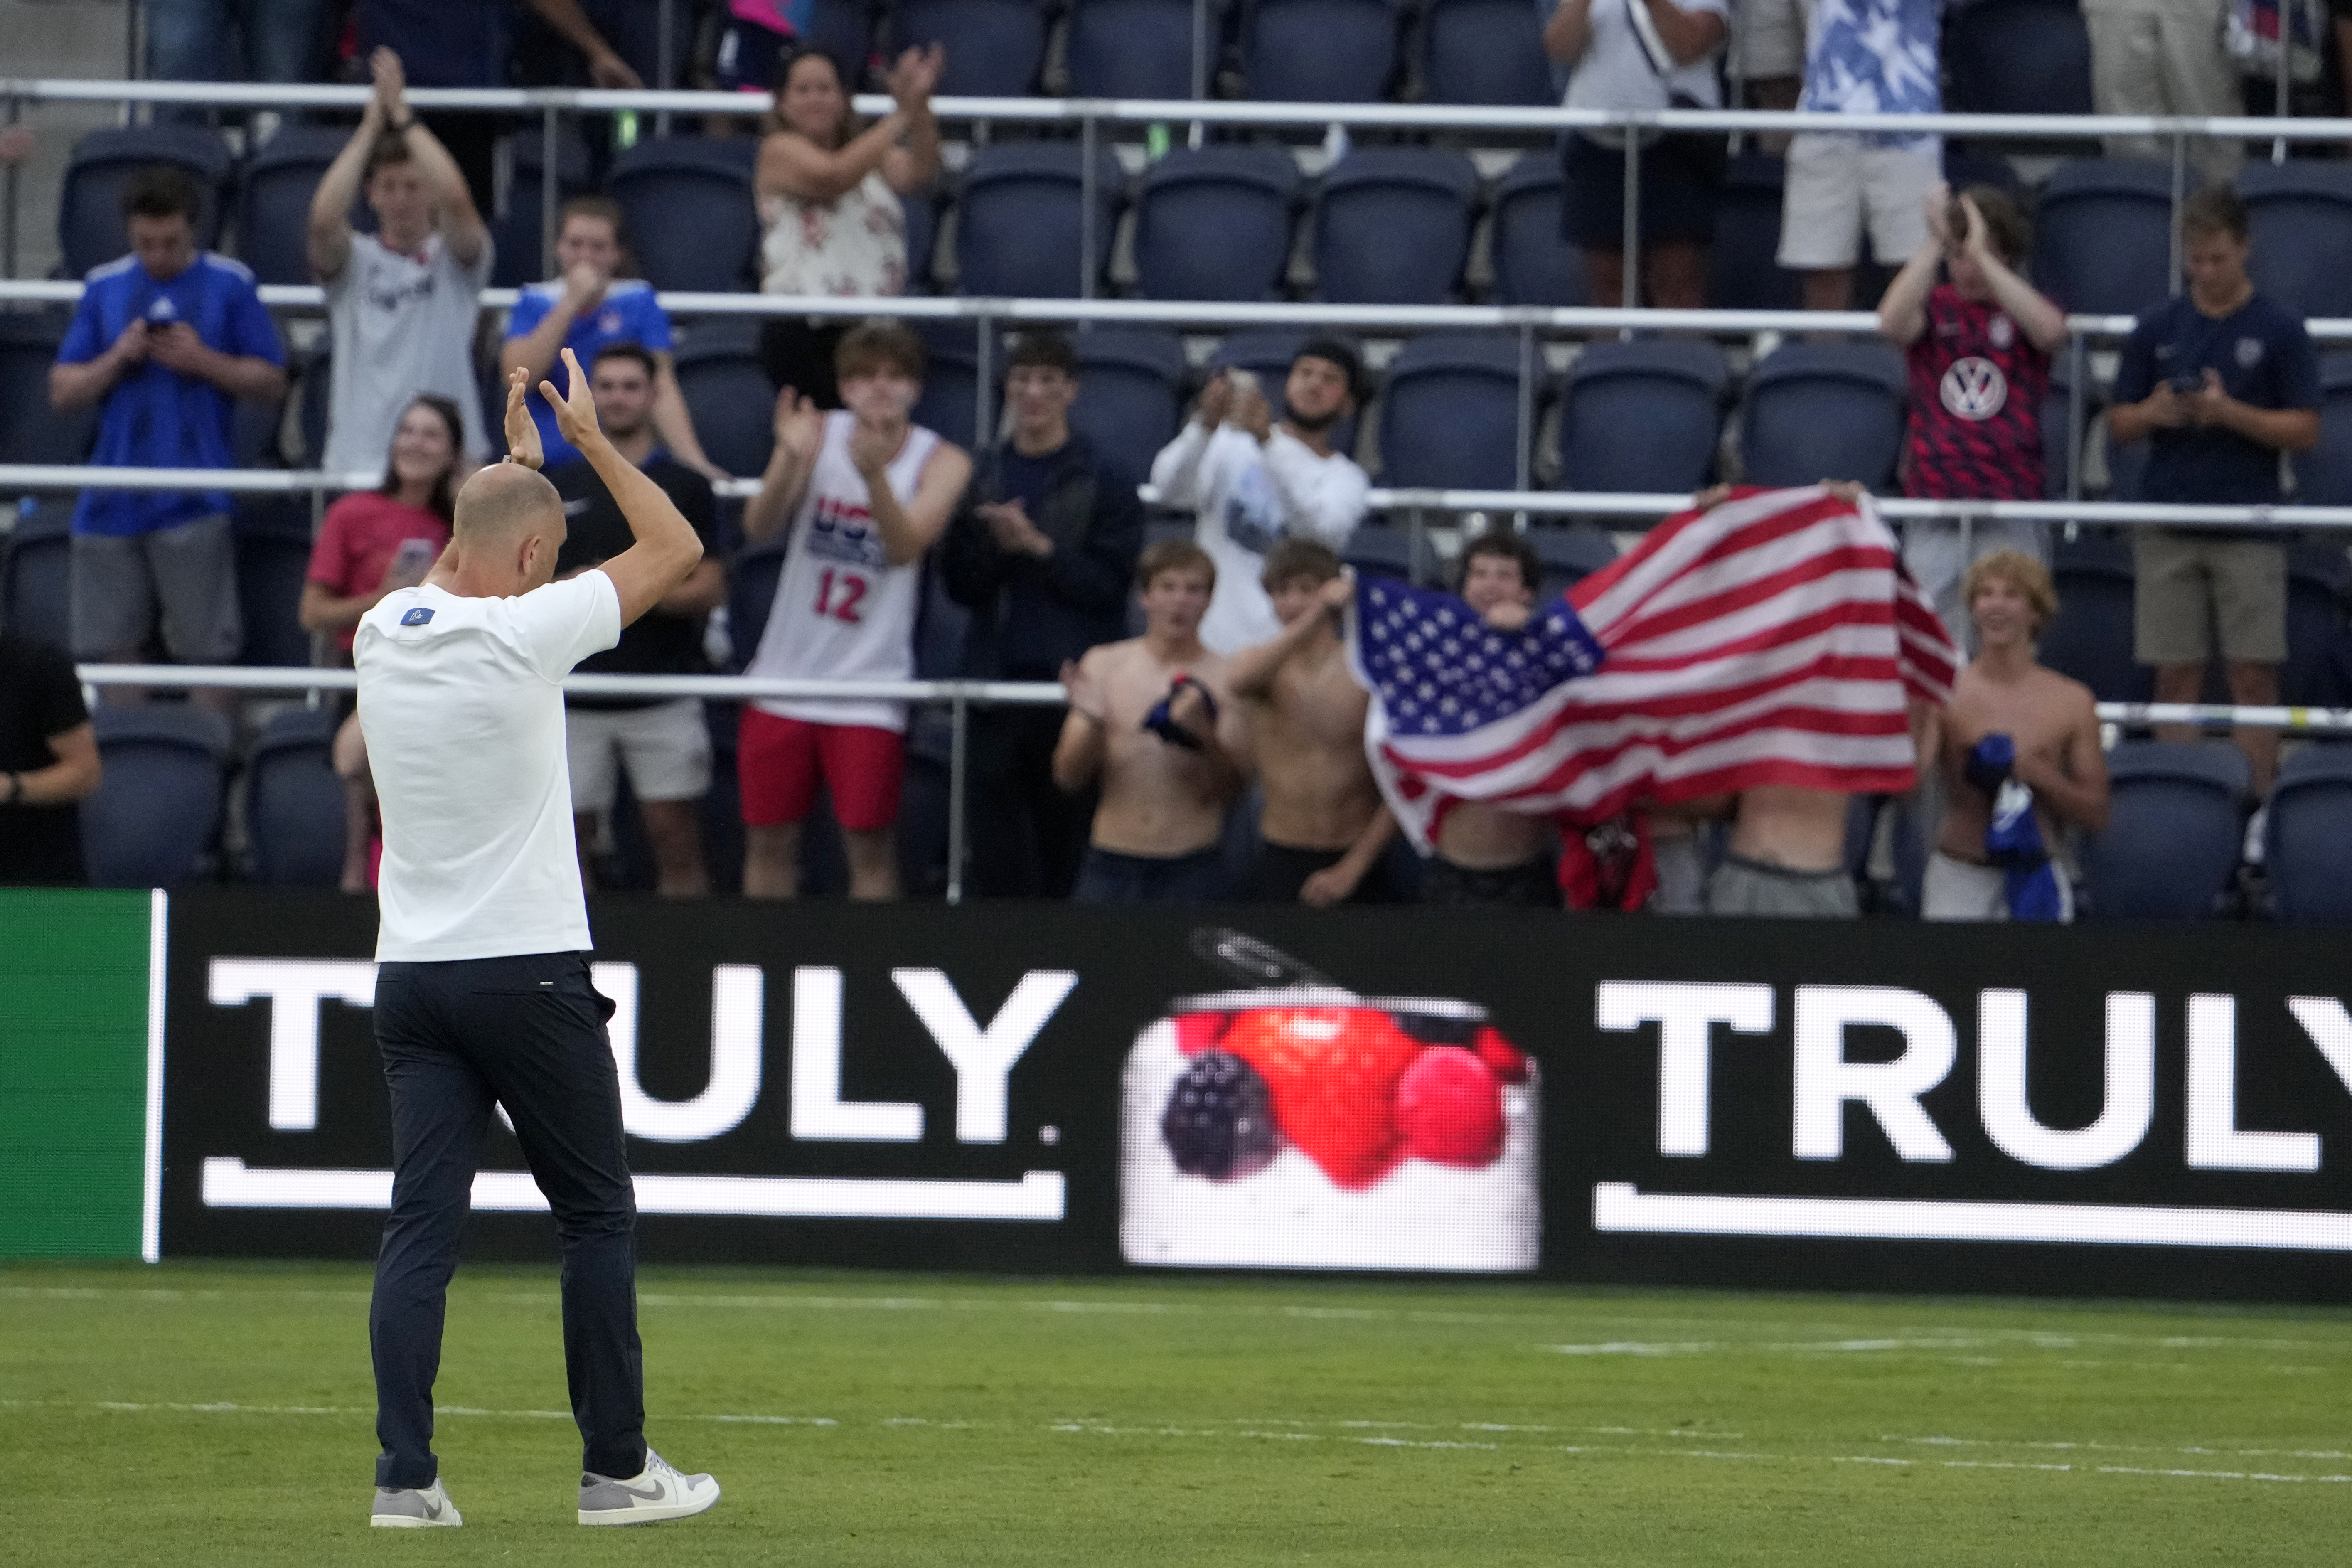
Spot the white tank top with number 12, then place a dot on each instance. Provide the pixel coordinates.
(842, 612)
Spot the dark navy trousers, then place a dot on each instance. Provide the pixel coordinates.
(527, 1033)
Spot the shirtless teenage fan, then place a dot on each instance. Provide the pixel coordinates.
(1324, 827)
(1144, 718)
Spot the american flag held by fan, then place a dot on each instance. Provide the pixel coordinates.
(1773, 639)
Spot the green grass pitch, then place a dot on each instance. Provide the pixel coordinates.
(195, 1415)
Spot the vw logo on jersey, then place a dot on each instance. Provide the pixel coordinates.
(1974, 388)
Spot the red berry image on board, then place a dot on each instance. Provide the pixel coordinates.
(1449, 1108)
(1332, 1073)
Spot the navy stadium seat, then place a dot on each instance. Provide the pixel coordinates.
(314, 391)
(294, 801)
(2323, 476)
(1131, 393)
(2019, 57)
(2318, 648)
(1450, 414)
(273, 201)
(922, 214)
(271, 536)
(751, 579)
(2103, 235)
(734, 408)
(1483, 51)
(1570, 554)
(1392, 226)
(2300, 213)
(1743, 266)
(994, 48)
(1386, 550)
(2058, 446)
(30, 430)
(1021, 216)
(1268, 354)
(1532, 266)
(155, 815)
(2091, 640)
(1213, 223)
(516, 233)
(693, 224)
(91, 229)
(844, 31)
(950, 400)
(2174, 833)
(2308, 851)
(1137, 48)
(1819, 411)
(37, 571)
(1318, 52)
(1642, 416)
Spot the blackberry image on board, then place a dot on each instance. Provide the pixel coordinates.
(1219, 1123)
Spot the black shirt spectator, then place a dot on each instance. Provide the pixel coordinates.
(49, 759)
(659, 643)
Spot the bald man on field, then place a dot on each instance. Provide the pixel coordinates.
(482, 996)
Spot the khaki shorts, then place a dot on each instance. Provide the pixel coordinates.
(1841, 186)
(2189, 582)
(186, 576)
(665, 748)
(1752, 888)
(1768, 38)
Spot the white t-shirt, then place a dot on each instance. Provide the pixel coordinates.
(1615, 70)
(402, 325)
(461, 701)
(1247, 497)
(842, 611)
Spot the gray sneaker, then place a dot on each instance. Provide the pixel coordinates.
(659, 1493)
(413, 1508)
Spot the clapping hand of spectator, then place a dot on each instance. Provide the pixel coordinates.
(800, 425)
(583, 285)
(1255, 414)
(576, 411)
(916, 75)
(1977, 243)
(522, 430)
(1937, 205)
(1338, 593)
(1216, 401)
(1008, 523)
(391, 83)
(1083, 690)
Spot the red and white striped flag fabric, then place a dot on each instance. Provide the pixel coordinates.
(1774, 640)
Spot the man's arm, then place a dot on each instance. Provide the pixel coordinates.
(1323, 501)
(1080, 755)
(1338, 882)
(1176, 471)
(911, 527)
(606, 68)
(532, 350)
(2043, 323)
(74, 774)
(328, 235)
(1251, 672)
(79, 383)
(178, 347)
(800, 430)
(1903, 309)
(461, 225)
(667, 550)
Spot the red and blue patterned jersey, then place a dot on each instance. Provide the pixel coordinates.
(1977, 387)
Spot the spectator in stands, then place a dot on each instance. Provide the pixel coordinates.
(164, 340)
(663, 742)
(590, 305)
(1641, 55)
(2220, 380)
(2005, 701)
(1979, 346)
(1861, 56)
(2167, 58)
(465, 43)
(372, 543)
(1484, 856)
(1041, 553)
(49, 760)
(1326, 832)
(756, 37)
(234, 40)
(403, 302)
(863, 493)
(1252, 482)
(829, 200)
(1147, 724)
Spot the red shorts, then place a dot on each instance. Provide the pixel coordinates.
(778, 761)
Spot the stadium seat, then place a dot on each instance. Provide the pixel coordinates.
(1642, 416)
(2174, 832)
(30, 430)
(90, 204)
(2301, 212)
(1819, 411)
(294, 802)
(155, 815)
(1483, 51)
(516, 232)
(734, 408)
(1131, 398)
(1570, 554)
(844, 31)
(751, 579)
(2308, 848)
(1386, 550)
(2091, 640)
(1392, 227)
(1318, 52)
(950, 400)
(37, 571)
(2103, 235)
(1268, 355)
(1531, 264)
(273, 201)
(1137, 48)
(314, 374)
(272, 539)
(693, 224)
(2058, 449)
(1743, 269)
(2323, 476)
(922, 214)
(2019, 57)
(1450, 414)
(994, 48)
(1019, 222)
(2318, 648)
(1213, 223)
